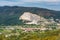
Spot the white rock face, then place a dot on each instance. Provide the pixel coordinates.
(26, 16)
(32, 18)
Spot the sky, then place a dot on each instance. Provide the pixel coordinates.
(49, 4)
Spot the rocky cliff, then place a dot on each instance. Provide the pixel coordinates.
(30, 18)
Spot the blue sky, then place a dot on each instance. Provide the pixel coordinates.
(49, 4)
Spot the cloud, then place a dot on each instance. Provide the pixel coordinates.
(32, 0)
(52, 4)
(41, 0)
(22, 2)
(51, 0)
(8, 0)
(9, 3)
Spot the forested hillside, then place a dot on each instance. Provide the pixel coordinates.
(9, 15)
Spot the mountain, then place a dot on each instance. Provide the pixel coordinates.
(9, 15)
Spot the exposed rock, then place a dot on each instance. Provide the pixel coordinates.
(30, 18)
(26, 16)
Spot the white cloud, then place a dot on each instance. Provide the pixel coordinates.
(2, 3)
(37, 3)
(15, 2)
(19, 2)
(40, 0)
(51, 0)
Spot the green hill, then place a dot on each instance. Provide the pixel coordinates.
(9, 15)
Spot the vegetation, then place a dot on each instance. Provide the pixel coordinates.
(9, 18)
(9, 15)
(35, 35)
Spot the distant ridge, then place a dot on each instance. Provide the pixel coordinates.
(9, 15)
